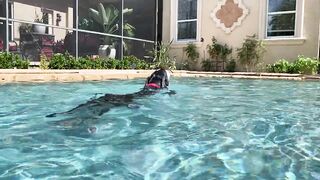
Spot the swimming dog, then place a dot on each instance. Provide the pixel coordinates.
(93, 109)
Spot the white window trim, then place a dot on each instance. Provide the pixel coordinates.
(51, 14)
(174, 23)
(11, 6)
(298, 34)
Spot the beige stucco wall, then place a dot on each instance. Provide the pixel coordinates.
(27, 12)
(310, 32)
(319, 41)
(249, 26)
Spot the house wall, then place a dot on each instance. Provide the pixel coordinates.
(27, 11)
(310, 33)
(319, 41)
(250, 25)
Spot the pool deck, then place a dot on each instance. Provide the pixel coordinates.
(37, 75)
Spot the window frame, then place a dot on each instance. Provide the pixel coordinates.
(175, 21)
(281, 13)
(10, 23)
(264, 15)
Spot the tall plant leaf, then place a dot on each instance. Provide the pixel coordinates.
(103, 14)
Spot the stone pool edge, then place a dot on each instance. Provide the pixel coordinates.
(37, 75)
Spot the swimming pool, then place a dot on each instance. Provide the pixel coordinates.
(211, 129)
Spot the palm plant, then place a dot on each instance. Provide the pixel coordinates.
(162, 58)
(109, 19)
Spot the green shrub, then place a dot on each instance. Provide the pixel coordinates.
(66, 61)
(44, 63)
(302, 65)
(123, 64)
(218, 53)
(162, 59)
(182, 66)
(135, 63)
(10, 61)
(207, 65)
(193, 55)
(111, 63)
(251, 52)
(281, 66)
(20, 63)
(71, 62)
(305, 65)
(89, 63)
(57, 61)
(231, 66)
(63, 61)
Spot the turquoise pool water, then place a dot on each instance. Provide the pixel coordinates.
(211, 129)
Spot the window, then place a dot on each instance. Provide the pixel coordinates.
(47, 18)
(282, 18)
(2, 22)
(187, 20)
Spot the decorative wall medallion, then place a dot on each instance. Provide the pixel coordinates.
(229, 14)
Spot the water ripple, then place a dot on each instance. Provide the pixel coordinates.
(211, 129)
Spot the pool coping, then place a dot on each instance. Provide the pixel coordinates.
(37, 75)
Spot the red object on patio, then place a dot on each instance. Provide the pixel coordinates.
(1, 45)
(13, 46)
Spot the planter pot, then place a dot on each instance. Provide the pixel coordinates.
(39, 29)
(107, 51)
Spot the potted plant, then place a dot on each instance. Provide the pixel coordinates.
(108, 18)
(39, 28)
